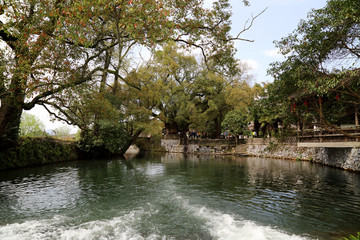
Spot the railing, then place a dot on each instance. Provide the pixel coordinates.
(214, 141)
(313, 135)
(322, 135)
(290, 140)
(307, 135)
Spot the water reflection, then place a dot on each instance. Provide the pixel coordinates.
(308, 197)
(177, 196)
(37, 193)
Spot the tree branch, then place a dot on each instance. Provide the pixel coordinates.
(82, 79)
(8, 39)
(42, 103)
(247, 27)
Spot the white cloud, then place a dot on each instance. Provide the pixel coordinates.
(253, 64)
(274, 53)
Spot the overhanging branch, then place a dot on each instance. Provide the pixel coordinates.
(80, 80)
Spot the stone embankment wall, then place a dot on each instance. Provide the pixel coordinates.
(341, 157)
(173, 144)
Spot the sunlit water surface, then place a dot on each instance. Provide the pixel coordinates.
(175, 197)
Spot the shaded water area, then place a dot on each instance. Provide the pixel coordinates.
(175, 197)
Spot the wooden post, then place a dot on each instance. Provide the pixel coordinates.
(356, 121)
(356, 115)
(321, 139)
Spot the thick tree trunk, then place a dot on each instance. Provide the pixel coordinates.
(131, 141)
(10, 113)
(105, 74)
(9, 125)
(171, 128)
(217, 127)
(356, 115)
(116, 84)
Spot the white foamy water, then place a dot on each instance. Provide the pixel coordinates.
(220, 226)
(120, 228)
(225, 227)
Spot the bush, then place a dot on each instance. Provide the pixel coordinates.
(37, 151)
(108, 138)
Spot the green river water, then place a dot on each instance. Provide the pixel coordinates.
(172, 196)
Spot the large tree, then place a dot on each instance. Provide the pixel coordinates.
(210, 98)
(44, 54)
(49, 47)
(319, 80)
(182, 93)
(161, 89)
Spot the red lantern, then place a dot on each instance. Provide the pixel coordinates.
(337, 97)
(306, 103)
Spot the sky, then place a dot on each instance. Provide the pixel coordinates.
(279, 20)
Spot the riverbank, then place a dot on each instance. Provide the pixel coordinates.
(41, 151)
(339, 156)
(38, 151)
(174, 144)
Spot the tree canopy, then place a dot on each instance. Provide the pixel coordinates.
(56, 50)
(181, 92)
(236, 123)
(319, 80)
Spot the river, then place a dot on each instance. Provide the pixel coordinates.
(170, 196)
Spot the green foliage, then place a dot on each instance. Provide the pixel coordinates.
(62, 131)
(319, 80)
(163, 90)
(352, 237)
(209, 97)
(174, 88)
(267, 111)
(53, 46)
(107, 137)
(37, 151)
(104, 129)
(236, 123)
(56, 52)
(42, 151)
(31, 126)
(152, 144)
(299, 157)
(272, 146)
(175, 74)
(8, 159)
